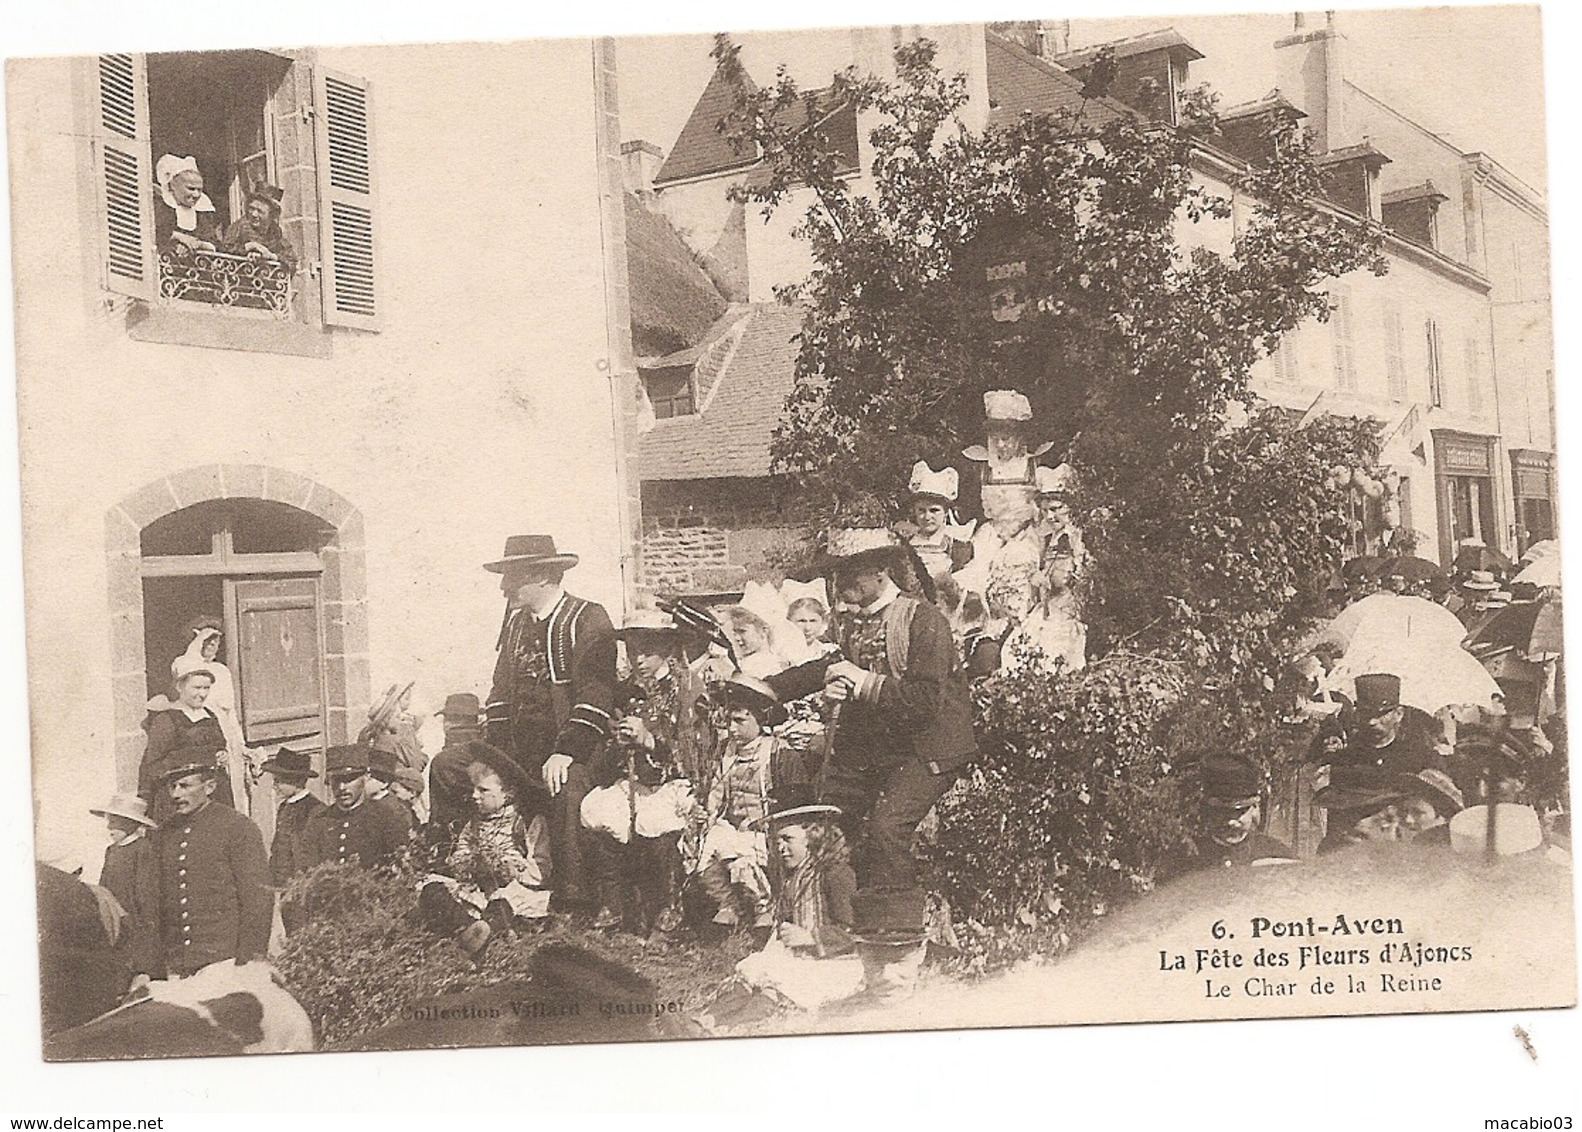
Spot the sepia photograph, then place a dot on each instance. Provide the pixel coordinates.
(910, 526)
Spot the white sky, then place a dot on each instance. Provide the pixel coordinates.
(1472, 74)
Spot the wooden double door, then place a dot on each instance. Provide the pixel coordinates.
(273, 647)
(275, 627)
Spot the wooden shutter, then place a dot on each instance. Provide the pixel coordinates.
(343, 145)
(279, 660)
(124, 174)
(1474, 370)
(1287, 363)
(1395, 353)
(1340, 324)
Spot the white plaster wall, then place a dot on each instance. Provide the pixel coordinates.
(481, 409)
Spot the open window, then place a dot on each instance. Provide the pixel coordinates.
(249, 120)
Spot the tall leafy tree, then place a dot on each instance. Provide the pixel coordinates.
(1208, 540)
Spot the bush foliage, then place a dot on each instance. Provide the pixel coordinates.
(364, 954)
(1076, 801)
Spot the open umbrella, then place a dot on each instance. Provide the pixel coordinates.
(1361, 568)
(1433, 675)
(1545, 548)
(1543, 571)
(1531, 628)
(1411, 569)
(1388, 616)
(1471, 558)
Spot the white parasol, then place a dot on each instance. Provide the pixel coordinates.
(1387, 617)
(1433, 674)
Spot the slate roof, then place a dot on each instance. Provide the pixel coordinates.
(744, 372)
(1020, 81)
(701, 150)
(1274, 101)
(1363, 150)
(1425, 191)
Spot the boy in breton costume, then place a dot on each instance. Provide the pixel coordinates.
(733, 863)
(904, 730)
(131, 873)
(290, 769)
(808, 961)
(647, 792)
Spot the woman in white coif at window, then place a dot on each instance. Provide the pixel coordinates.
(185, 220)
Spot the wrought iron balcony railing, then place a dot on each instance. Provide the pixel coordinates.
(235, 281)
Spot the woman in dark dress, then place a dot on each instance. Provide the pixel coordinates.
(186, 725)
(184, 219)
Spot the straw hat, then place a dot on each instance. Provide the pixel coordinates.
(128, 806)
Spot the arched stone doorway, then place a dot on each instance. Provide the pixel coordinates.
(280, 560)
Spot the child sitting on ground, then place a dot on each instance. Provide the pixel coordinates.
(498, 873)
(734, 861)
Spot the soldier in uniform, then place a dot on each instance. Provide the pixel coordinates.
(1232, 812)
(214, 893)
(353, 830)
(905, 723)
(1385, 734)
(553, 697)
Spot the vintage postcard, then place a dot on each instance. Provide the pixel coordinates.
(884, 528)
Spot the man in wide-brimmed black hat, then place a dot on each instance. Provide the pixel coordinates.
(291, 770)
(905, 726)
(553, 697)
(449, 788)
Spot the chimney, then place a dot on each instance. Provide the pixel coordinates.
(1056, 38)
(639, 162)
(1309, 72)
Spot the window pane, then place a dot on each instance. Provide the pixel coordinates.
(260, 527)
(188, 531)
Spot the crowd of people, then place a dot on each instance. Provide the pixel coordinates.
(1439, 699)
(696, 773)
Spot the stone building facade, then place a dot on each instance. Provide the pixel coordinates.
(321, 459)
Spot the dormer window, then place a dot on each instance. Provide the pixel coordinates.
(1249, 131)
(671, 390)
(1150, 71)
(1351, 178)
(1413, 213)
